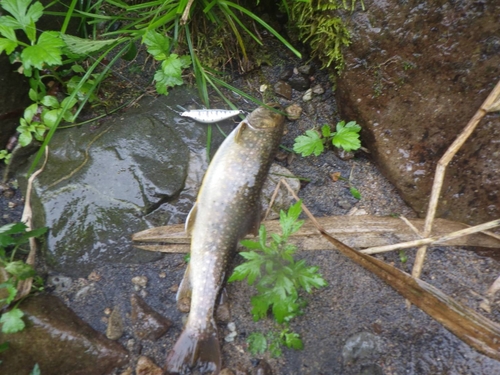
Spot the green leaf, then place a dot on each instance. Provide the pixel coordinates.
(257, 343)
(249, 244)
(13, 228)
(25, 16)
(275, 347)
(308, 277)
(36, 370)
(4, 346)
(249, 269)
(20, 270)
(49, 118)
(12, 321)
(81, 46)
(7, 45)
(25, 138)
(355, 192)
(47, 51)
(326, 131)
(402, 256)
(292, 340)
(11, 291)
(157, 45)
(308, 144)
(30, 111)
(170, 73)
(77, 68)
(50, 101)
(347, 136)
(260, 306)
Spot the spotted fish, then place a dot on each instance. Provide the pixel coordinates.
(227, 208)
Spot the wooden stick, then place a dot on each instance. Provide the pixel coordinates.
(440, 171)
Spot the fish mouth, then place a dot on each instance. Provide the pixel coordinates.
(266, 117)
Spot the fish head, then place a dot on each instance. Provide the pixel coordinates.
(268, 117)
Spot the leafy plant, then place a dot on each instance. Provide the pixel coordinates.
(12, 237)
(345, 137)
(278, 277)
(273, 341)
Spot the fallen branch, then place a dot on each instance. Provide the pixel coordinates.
(362, 231)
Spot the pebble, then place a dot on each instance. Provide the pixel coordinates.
(146, 366)
(318, 89)
(362, 345)
(263, 368)
(299, 82)
(293, 112)
(60, 283)
(231, 336)
(308, 95)
(115, 325)
(306, 70)
(283, 89)
(140, 281)
(146, 322)
(226, 371)
(231, 326)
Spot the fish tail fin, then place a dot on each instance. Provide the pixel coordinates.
(195, 349)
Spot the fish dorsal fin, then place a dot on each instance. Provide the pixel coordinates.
(191, 219)
(241, 128)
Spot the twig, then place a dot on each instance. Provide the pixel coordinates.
(487, 105)
(24, 286)
(433, 240)
(412, 227)
(185, 15)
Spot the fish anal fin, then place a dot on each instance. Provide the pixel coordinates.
(191, 219)
(195, 349)
(184, 292)
(241, 128)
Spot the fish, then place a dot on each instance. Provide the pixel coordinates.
(210, 116)
(227, 208)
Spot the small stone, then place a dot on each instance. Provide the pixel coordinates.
(147, 323)
(306, 70)
(174, 288)
(141, 281)
(287, 73)
(146, 366)
(318, 89)
(343, 154)
(230, 337)
(60, 283)
(130, 345)
(293, 112)
(308, 95)
(299, 82)
(94, 276)
(263, 88)
(281, 156)
(12, 204)
(115, 325)
(362, 345)
(162, 275)
(226, 371)
(184, 304)
(283, 89)
(231, 326)
(128, 371)
(107, 311)
(263, 368)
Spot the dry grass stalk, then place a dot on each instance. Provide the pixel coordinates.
(488, 105)
(24, 286)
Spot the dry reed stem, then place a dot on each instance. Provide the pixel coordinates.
(24, 286)
(488, 105)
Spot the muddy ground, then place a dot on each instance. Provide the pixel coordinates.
(356, 325)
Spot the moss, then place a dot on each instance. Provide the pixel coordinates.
(319, 24)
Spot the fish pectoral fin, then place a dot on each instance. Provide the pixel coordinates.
(184, 292)
(241, 128)
(195, 349)
(191, 219)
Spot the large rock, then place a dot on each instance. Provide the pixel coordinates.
(102, 184)
(415, 74)
(59, 341)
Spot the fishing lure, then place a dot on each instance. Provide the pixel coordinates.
(209, 116)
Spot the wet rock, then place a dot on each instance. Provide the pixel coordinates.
(115, 325)
(413, 91)
(299, 82)
(146, 366)
(363, 345)
(101, 185)
(147, 323)
(293, 112)
(59, 283)
(371, 369)
(59, 341)
(263, 368)
(283, 89)
(287, 73)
